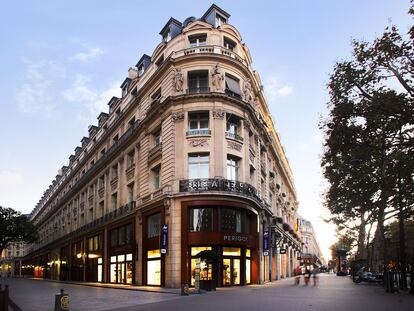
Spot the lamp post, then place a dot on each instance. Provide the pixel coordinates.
(388, 277)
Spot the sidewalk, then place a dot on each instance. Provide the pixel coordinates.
(152, 289)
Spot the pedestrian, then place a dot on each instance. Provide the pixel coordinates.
(298, 273)
(315, 272)
(307, 276)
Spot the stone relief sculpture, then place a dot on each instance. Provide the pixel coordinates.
(177, 116)
(217, 79)
(198, 142)
(178, 80)
(248, 91)
(218, 114)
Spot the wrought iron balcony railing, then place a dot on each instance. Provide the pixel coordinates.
(198, 132)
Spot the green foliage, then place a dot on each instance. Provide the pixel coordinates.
(369, 133)
(15, 227)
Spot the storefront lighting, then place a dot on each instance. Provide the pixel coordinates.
(93, 256)
(79, 255)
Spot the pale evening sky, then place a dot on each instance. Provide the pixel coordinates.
(61, 62)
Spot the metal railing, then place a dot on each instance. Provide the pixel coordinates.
(198, 132)
(234, 136)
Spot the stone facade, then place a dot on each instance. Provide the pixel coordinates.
(195, 98)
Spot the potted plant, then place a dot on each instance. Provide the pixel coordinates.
(210, 258)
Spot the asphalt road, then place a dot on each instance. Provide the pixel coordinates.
(331, 294)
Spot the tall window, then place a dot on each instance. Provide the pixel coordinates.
(232, 168)
(154, 225)
(114, 172)
(131, 159)
(230, 220)
(233, 86)
(220, 20)
(198, 123)
(114, 201)
(156, 171)
(131, 194)
(157, 138)
(198, 82)
(233, 128)
(201, 219)
(122, 235)
(156, 97)
(229, 44)
(198, 166)
(197, 40)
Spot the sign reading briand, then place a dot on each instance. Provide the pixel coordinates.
(216, 184)
(164, 239)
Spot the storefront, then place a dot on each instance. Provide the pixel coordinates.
(153, 265)
(121, 255)
(227, 228)
(94, 258)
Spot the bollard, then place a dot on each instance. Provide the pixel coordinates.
(61, 301)
(184, 289)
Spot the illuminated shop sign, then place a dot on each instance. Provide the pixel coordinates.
(235, 238)
(215, 184)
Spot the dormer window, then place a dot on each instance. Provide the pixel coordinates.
(167, 37)
(220, 20)
(229, 44)
(141, 70)
(198, 40)
(125, 91)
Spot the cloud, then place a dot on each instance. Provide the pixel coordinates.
(36, 93)
(89, 99)
(10, 179)
(88, 56)
(274, 88)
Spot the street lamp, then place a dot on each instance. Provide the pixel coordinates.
(388, 277)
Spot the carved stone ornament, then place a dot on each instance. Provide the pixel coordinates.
(198, 142)
(248, 91)
(234, 145)
(167, 205)
(178, 80)
(218, 114)
(247, 124)
(177, 116)
(251, 157)
(217, 79)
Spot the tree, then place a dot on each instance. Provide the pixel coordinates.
(369, 134)
(15, 227)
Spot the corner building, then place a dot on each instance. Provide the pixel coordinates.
(190, 145)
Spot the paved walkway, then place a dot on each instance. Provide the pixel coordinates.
(35, 295)
(332, 294)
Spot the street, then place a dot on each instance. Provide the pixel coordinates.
(332, 293)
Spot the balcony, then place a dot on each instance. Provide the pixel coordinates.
(155, 152)
(198, 132)
(234, 136)
(114, 182)
(198, 90)
(130, 171)
(209, 49)
(101, 192)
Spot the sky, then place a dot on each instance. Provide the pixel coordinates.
(61, 62)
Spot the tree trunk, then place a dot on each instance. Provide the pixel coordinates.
(361, 238)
